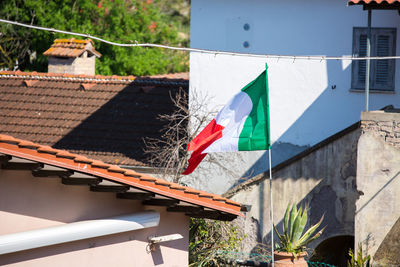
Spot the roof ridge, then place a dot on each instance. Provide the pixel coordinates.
(64, 159)
(72, 77)
(84, 78)
(71, 48)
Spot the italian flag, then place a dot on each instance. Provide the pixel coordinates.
(241, 125)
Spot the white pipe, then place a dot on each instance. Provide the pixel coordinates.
(77, 231)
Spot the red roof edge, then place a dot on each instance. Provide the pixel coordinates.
(63, 159)
(374, 2)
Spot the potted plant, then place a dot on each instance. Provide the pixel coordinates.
(292, 241)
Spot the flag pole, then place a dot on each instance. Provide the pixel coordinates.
(271, 213)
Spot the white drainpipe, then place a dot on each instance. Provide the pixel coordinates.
(77, 231)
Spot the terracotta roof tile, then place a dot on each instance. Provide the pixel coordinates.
(148, 178)
(162, 182)
(65, 154)
(29, 83)
(100, 164)
(28, 144)
(132, 173)
(177, 186)
(375, 2)
(71, 48)
(181, 75)
(219, 198)
(9, 139)
(107, 121)
(82, 159)
(114, 168)
(206, 195)
(47, 149)
(11, 146)
(192, 191)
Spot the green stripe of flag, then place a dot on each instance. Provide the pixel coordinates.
(256, 130)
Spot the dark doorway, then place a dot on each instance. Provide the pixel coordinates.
(334, 250)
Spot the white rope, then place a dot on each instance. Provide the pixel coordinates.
(208, 51)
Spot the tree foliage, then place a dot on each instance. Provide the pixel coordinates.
(209, 237)
(123, 21)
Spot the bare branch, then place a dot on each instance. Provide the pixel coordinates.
(170, 152)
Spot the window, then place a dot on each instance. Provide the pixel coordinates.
(383, 43)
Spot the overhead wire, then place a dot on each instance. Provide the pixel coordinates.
(198, 50)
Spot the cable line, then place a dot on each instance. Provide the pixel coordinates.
(198, 50)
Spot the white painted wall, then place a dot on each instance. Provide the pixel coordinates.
(304, 107)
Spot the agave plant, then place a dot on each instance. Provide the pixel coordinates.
(292, 239)
(359, 260)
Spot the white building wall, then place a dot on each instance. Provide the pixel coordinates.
(305, 108)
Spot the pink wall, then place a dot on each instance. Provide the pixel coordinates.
(28, 203)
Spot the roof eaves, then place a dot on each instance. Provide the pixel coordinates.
(376, 4)
(63, 159)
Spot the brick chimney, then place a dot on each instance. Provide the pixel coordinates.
(72, 56)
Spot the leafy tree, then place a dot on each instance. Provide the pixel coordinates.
(207, 238)
(123, 21)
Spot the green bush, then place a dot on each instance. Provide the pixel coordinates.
(209, 237)
(359, 260)
(121, 21)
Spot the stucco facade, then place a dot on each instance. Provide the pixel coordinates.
(309, 99)
(377, 217)
(28, 203)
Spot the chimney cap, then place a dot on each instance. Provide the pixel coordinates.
(71, 48)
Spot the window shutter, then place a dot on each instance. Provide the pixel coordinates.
(362, 65)
(384, 69)
(359, 50)
(383, 44)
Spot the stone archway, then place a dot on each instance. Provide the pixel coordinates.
(334, 250)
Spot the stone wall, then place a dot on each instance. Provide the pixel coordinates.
(61, 65)
(322, 177)
(80, 65)
(377, 221)
(85, 65)
(383, 124)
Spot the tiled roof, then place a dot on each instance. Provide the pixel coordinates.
(71, 48)
(180, 75)
(375, 2)
(103, 117)
(27, 150)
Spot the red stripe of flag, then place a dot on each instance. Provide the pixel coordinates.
(204, 139)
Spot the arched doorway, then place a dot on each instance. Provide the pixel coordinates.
(334, 250)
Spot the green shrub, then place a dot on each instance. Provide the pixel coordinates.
(359, 260)
(209, 237)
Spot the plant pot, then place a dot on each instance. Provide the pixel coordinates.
(285, 259)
